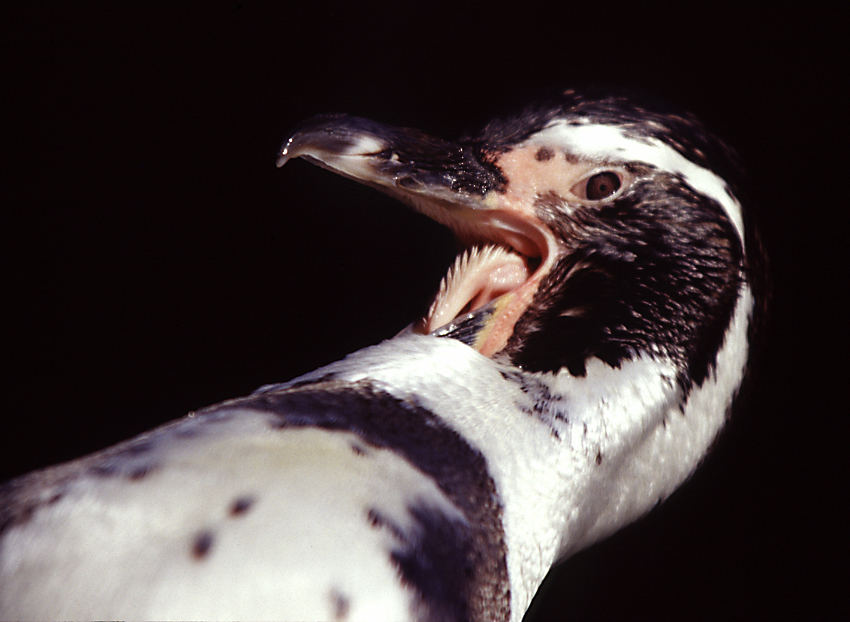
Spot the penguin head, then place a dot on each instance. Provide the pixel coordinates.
(589, 227)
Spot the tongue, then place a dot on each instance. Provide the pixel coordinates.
(478, 276)
(498, 281)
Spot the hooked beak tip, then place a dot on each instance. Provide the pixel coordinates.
(285, 154)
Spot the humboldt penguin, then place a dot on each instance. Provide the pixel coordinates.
(577, 362)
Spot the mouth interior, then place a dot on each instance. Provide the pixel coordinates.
(479, 275)
(505, 250)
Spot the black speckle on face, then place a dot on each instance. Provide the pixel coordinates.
(549, 200)
(340, 604)
(201, 544)
(598, 458)
(571, 158)
(241, 505)
(543, 154)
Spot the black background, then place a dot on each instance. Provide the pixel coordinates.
(156, 261)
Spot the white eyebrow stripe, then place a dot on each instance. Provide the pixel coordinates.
(606, 142)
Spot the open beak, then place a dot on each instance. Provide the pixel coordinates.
(506, 248)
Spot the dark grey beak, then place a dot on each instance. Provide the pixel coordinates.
(398, 160)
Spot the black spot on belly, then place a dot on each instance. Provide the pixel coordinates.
(19, 512)
(543, 154)
(358, 449)
(340, 604)
(201, 544)
(137, 447)
(374, 518)
(22, 498)
(104, 469)
(241, 505)
(139, 472)
(186, 431)
(598, 457)
(378, 521)
(117, 466)
(130, 460)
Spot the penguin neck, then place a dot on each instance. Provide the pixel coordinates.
(541, 437)
(573, 458)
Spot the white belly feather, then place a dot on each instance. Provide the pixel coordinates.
(224, 527)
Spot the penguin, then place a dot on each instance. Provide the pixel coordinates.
(577, 362)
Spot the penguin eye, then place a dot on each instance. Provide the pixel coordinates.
(597, 187)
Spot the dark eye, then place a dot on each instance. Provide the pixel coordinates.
(597, 187)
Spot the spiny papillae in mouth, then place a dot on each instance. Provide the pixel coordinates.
(478, 276)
